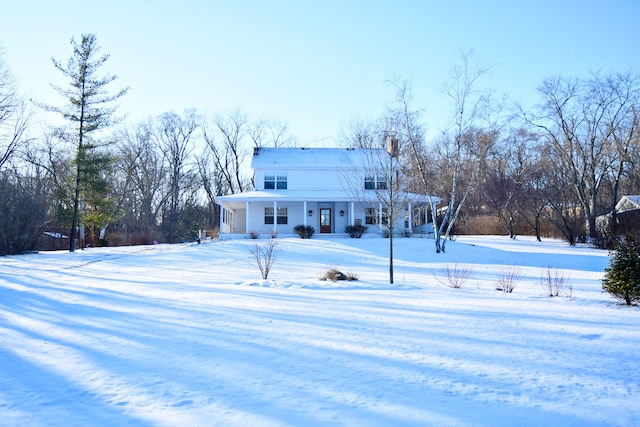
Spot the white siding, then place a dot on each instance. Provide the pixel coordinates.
(316, 178)
(309, 179)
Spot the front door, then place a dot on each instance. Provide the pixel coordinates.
(325, 220)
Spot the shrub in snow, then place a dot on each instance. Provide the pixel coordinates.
(352, 276)
(304, 231)
(254, 234)
(265, 255)
(555, 284)
(622, 276)
(454, 276)
(355, 231)
(335, 275)
(508, 278)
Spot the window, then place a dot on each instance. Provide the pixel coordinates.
(381, 183)
(281, 182)
(377, 182)
(269, 183)
(372, 216)
(419, 217)
(268, 215)
(282, 218)
(369, 183)
(275, 182)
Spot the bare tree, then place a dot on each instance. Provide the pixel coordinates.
(14, 115)
(174, 138)
(142, 177)
(363, 133)
(225, 155)
(625, 133)
(591, 125)
(417, 159)
(90, 109)
(265, 255)
(562, 206)
(378, 183)
(223, 164)
(232, 130)
(511, 178)
(270, 133)
(23, 210)
(213, 182)
(465, 144)
(50, 159)
(391, 195)
(502, 191)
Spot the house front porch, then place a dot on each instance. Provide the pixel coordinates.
(280, 216)
(262, 213)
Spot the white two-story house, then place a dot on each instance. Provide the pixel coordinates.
(326, 188)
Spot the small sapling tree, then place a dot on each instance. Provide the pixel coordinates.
(622, 276)
(265, 255)
(508, 278)
(554, 283)
(454, 276)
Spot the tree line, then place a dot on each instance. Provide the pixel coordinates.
(551, 169)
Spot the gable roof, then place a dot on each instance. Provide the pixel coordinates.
(628, 203)
(309, 158)
(268, 157)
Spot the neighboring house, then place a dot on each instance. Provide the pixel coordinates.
(627, 216)
(326, 188)
(627, 204)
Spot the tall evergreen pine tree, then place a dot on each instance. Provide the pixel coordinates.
(90, 109)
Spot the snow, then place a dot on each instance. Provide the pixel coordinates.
(189, 335)
(332, 158)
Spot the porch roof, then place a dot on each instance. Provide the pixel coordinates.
(306, 196)
(288, 195)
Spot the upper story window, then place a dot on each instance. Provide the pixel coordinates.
(375, 182)
(274, 181)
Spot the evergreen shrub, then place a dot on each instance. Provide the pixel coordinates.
(622, 276)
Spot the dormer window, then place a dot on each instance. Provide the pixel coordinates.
(273, 181)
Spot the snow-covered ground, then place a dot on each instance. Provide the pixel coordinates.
(186, 335)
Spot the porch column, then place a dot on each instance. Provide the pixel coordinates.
(275, 217)
(410, 218)
(380, 216)
(223, 207)
(246, 216)
(304, 213)
(352, 214)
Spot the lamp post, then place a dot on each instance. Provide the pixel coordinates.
(392, 149)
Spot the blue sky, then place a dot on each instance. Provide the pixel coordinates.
(315, 65)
